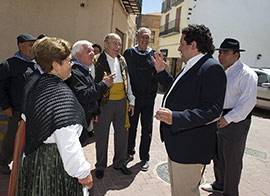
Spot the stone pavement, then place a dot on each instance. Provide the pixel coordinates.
(255, 179)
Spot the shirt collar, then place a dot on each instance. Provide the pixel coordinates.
(192, 61)
(81, 64)
(24, 58)
(233, 67)
(109, 57)
(147, 51)
(39, 69)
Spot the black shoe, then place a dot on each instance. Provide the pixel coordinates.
(99, 174)
(4, 169)
(144, 165)
(124, 170)
(129, 159)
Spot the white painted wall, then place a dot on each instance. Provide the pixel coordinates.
(246, 20)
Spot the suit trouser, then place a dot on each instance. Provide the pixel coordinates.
(7, 147)
(113, 111)
(144, 107)
(184, 178)
(228, 165)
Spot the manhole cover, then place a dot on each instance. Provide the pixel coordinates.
(162, 172)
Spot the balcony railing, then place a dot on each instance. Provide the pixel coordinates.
(170, 28)
(167, 4)
(133, 6)
(176, 2)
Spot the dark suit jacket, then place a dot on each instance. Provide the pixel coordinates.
(103, 66)
(195, 101)
(13, 74)
(87, 91)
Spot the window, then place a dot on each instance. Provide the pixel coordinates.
(122, 36)
(262, 78)
(177, 19)
(153, 33)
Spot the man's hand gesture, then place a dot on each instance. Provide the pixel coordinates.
(159, 62)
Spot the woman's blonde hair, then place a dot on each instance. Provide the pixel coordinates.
(50, 49)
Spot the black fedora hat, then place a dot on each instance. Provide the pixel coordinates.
(230, 44)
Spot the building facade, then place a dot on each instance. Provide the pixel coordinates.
(67, 19)
(152, 22)
(245, 20)
(174, 17)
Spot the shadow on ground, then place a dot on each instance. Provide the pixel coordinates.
(113, 180)
(261, 113)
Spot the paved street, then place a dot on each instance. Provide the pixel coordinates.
(255, 179)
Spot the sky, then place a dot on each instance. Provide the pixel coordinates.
(149, 6)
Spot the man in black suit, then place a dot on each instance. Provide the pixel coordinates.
(190, 109)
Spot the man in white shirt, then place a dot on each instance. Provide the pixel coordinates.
(115, 106)
(233, 126)
(190, 109)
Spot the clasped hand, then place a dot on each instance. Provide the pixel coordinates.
(87, 181)
(164, 115)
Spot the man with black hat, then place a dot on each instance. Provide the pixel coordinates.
(240, 98)
(13, 73)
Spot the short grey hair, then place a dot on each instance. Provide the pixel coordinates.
(78, 47)
(143, 29)
(108, 36)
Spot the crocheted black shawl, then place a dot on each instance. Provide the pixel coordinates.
(50, 105)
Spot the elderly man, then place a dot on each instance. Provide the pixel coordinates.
(234, 125)
(144, 86)
(115, 105)
(87, 91)
(190, 109)
(13, 73)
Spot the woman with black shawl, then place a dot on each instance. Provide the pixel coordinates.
(53, 162)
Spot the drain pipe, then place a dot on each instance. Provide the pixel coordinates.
(112, 17)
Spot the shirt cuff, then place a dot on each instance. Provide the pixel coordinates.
(227, 118)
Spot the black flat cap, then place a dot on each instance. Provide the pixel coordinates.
(230, 44)
(25, 38)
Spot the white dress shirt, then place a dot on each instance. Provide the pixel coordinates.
(70, 149)
(241, 91)
(115, 68)
(92, 70)
(190, 63)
